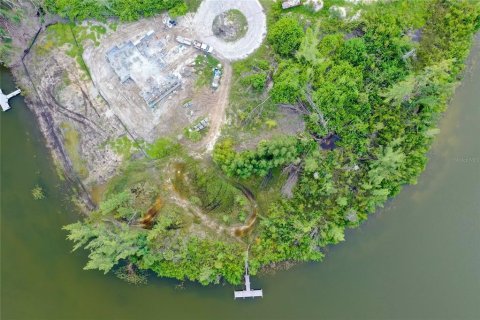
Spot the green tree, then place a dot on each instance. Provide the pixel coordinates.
(429, 87)
(224, 153)
(126, 10)
(268, 155)
(448, 31)
(108, 244)
(162, 148)
(179, 10)
(289, 83)
(308, 50)
(354, 51)
(256, 80)
(388, 164)
(285, 36)
(330, 45)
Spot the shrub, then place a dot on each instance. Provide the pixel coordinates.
(285, 36)
(37, 193)
(256, 81)
(163, 147)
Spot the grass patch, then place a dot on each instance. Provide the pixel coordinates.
(124, 146)
(113, 26)
(219, 198)
(64, 83)
(7, 15)
(72, 145)
(204, 186)
(249, 85)
(230, 25)
(132, 173)
(72, 37)
(204, 65)
(195, 136)
(66, 79)
(162, 148)
(211, 191)
(193, 5)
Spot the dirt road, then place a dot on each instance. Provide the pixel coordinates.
(218, 111)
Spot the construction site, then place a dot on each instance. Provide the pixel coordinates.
(142, 62)
(146, 71)
(145, 75)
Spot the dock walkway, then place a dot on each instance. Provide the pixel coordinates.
(248, 292)
(5, 97)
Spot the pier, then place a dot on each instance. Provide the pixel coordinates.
(4, 99)
(248, 292)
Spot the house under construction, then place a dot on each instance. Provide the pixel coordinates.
(142, 61)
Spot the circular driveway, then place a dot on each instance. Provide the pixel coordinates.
(257, 27)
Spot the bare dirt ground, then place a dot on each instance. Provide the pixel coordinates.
(142, 121)
(218, 111)
(169, 117)
(240, 49)
(23, 32)
(73, 117)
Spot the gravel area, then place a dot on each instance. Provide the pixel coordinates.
(240, 49)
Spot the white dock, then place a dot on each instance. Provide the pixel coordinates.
(4, 99)
(248, 292)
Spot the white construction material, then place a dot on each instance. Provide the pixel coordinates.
(290, 4)
(184, 40)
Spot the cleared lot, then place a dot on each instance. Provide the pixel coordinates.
(148, 76)
(127, 98)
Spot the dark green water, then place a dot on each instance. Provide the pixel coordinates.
(418, 258)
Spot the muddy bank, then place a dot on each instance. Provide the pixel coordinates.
(70, 115)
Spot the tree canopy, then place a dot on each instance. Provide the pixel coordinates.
(286, 36)
(126, 10)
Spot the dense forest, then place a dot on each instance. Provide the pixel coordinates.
(375, 87)
(126, 10)
(370, 91)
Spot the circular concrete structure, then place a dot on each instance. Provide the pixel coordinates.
(235, 50)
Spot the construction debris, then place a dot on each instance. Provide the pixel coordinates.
(317, 5)
(201, 125)
(290, 4)
(184, 41)
(169, 22)
(167, 68)
(412, 53)
(338, 12)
